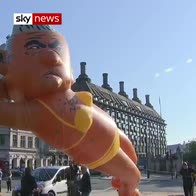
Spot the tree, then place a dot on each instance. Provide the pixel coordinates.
(190, 153)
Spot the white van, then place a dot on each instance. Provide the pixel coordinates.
(51, 180)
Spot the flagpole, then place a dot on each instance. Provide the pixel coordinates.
(160, 106)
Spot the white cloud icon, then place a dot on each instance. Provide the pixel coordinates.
(169, 69)
(189, 60)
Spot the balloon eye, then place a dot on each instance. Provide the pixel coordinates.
(34, 47)
(58, 47)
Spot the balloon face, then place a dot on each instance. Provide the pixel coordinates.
(39, 63)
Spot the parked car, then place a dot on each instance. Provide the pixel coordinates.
(50, 180)
(16, 173)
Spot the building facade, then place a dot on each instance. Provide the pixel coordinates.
(20, 149)
(140, 122)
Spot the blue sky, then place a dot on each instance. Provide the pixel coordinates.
(149, 44)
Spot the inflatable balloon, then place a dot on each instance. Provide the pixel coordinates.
(37, 76)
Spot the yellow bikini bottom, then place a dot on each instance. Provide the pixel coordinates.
(110, 153)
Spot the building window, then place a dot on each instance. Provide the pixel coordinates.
(2, 140)
(14, 141)
(30, 142)
(22, 141)
(36, 142)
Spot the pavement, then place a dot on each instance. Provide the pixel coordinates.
(112, 192)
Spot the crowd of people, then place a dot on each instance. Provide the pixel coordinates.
(78, 181)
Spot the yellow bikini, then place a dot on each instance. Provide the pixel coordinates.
(82, 122)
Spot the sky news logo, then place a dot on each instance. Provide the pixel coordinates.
(37, 18)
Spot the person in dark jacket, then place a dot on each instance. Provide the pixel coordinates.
(72, 176)
(188, 181)
(85, 182)
(9, 180)
(28, 183)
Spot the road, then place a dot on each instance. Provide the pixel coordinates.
(158, 183)
(155, 186)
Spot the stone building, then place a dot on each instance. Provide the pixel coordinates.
(19, 149)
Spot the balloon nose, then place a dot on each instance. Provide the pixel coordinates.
(50, 58)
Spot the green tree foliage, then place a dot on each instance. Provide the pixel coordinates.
(190, 153)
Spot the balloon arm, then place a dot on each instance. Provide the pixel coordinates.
(3, 65)
(13, 115)
(3, 69)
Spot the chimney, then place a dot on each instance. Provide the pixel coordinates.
(83, 68)
(83, 77)
(148, 101)
(121, 83)
(122, 92)
(105, 79)
(7, 37)
(135, 97)
(105, 82)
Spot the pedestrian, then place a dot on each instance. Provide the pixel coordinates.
(172, 173)
(187, 177)
(72, 179)
(28, 183)
(1, 175)
(194, 174)
(85, 182)
(9, 181)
